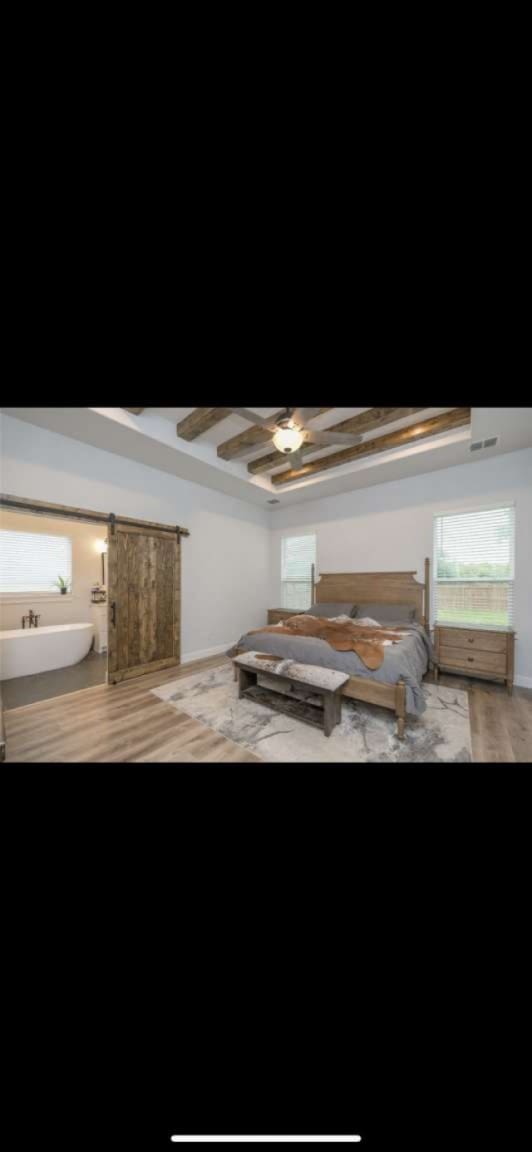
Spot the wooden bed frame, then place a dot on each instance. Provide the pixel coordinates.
(376, 588)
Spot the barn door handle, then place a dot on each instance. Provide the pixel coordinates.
(113, 613)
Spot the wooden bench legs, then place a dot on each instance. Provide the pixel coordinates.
(332, 711)
(246, 679)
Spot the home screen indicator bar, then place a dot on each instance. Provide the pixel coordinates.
(266, 1139)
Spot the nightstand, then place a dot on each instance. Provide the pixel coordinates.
(474, 652)
(277, 614)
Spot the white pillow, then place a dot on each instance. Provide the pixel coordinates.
(368, 621)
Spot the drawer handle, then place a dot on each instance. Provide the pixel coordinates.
(471, 640)
(471, 659)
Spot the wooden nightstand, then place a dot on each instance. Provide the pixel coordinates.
(474, 652)
(277, 614)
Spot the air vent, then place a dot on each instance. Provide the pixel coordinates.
(478, 444)
(273, 501)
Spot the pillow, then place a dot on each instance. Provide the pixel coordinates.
(386, 613)
(330, 610)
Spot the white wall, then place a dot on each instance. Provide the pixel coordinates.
(389, 527)
(86, 571)
(225, 560)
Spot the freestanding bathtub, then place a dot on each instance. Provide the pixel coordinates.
(24, 651)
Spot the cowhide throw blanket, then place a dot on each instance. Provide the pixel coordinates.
(344, 635)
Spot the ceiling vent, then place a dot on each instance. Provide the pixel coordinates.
(477, 445)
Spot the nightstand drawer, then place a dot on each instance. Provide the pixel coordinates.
(473, 660)
(464, 638)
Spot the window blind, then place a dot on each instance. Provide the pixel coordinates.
(298, 554)
(32, 561)
(474, 567)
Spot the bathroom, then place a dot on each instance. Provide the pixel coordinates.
(53, 606)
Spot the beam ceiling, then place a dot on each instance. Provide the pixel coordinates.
(447, 421)
(199, 421)
(364, 422)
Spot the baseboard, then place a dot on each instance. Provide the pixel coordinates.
(523, 681)
(203, 653)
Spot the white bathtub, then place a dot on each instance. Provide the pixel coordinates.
(24, 651)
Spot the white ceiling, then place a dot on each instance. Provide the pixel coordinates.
(151, 439)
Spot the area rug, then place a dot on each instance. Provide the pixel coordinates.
(366, 733)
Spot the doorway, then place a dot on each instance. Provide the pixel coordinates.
(135, 600)
(53, 611)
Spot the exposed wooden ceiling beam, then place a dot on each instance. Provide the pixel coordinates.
(420, 431)
(253, 436)
(199, 421)
(135, 411)
(364, 422)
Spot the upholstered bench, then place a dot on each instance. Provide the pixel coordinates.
(323, 683)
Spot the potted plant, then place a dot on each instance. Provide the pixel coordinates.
(62, 584)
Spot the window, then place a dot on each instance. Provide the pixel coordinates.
(298, 554)
(474, 567)
(32, 562)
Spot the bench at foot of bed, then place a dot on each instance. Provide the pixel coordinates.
(391, 696)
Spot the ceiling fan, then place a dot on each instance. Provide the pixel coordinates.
(290, 434)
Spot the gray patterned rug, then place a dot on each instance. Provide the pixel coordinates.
(440, 735)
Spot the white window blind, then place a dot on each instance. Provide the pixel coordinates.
(298, 554)
(474, 567)
(31, 562)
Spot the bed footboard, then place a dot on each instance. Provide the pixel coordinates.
(400, 708)
(392, 696)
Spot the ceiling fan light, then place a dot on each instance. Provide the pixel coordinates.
(288, 439)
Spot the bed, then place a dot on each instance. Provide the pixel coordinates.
(396, 685)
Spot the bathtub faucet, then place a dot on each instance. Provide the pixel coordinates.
(33, 619)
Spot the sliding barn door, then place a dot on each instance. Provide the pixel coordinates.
(144, 601)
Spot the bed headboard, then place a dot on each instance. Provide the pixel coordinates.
(380, 587)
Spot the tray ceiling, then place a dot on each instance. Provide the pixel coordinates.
(206, 445)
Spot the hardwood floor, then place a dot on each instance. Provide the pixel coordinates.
(127, 723)
(117, 723)
(501, 725)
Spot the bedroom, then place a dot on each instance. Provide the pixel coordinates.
(397, 540)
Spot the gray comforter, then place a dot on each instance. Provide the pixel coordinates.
(408, 660)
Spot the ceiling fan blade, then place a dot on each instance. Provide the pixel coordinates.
(247, 450)
(301, 415)
(246, 414)
(323, 439)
